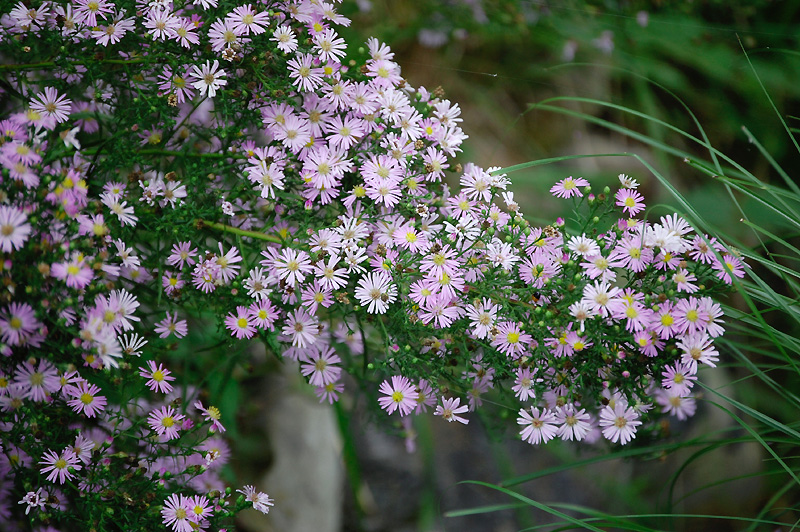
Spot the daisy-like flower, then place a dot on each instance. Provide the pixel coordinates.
(583, 246)
(198, 508)
(329, 46)
(400, 395)
(27, 18)
(52, 105)
(284, 36)
(630, 200)
(209, 78)
(627, 181)
(176, 513)
(37, 381)
(572, 424)
(302, 327)
(523, 385)
(569, 187)
(211, 414)
(239, 324)
(675, 404)
(161, 23)
(158, 377)
(57, 466)
(307, 77)
(171, 325)
(165, 421)
(619, 422)
(87, 11)
(678, 378)
(246, 20)
(729, 265)
(328, 276)
(184, 33)
(292, 265)
(482, 317)
(182, 253)
(695, 348)
(264, 314)
(329, 392)
(74, 272)
(376, 291)
(115, 30)
(14, 229)
(321, 367)
(85, 399)
(17, 323)
(538, 426)
(511, 339)
(449, 410)
(260, 500)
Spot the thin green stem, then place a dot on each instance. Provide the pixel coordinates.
(200, 223)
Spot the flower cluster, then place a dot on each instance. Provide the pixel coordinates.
(236, 163)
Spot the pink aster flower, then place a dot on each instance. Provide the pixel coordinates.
(524, 383)
(57, 465)
(85, 399)
(675, 404)
(630, 200)
(165, 421)
(176, 513)
(17, 323)
(74, 272)
(87, 11)
(37, 381)
(511, 339)
(678, 378)
(449, 410)
(161, 23)
(244, 20)
(729, 265)
(14, 230)
(696, 348)
(572, 424)
(209, 78)
(569, 187)
(538, 426)
(400, 395)
(264, 314)
(198, 508)
(302, 327)
(158, 377)
(239, 324)
(619, 423)
(329, 46)
(329, 392)
(260, 500)
(322, 367)
(304, 75)
(182, 253)
(292, 265)
(211, 414)
(115, 30)
(437, 309)
(377, 291)
(285, 38)
(171, 325)
(184, 33)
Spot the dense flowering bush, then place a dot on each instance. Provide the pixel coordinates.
(210, 160)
